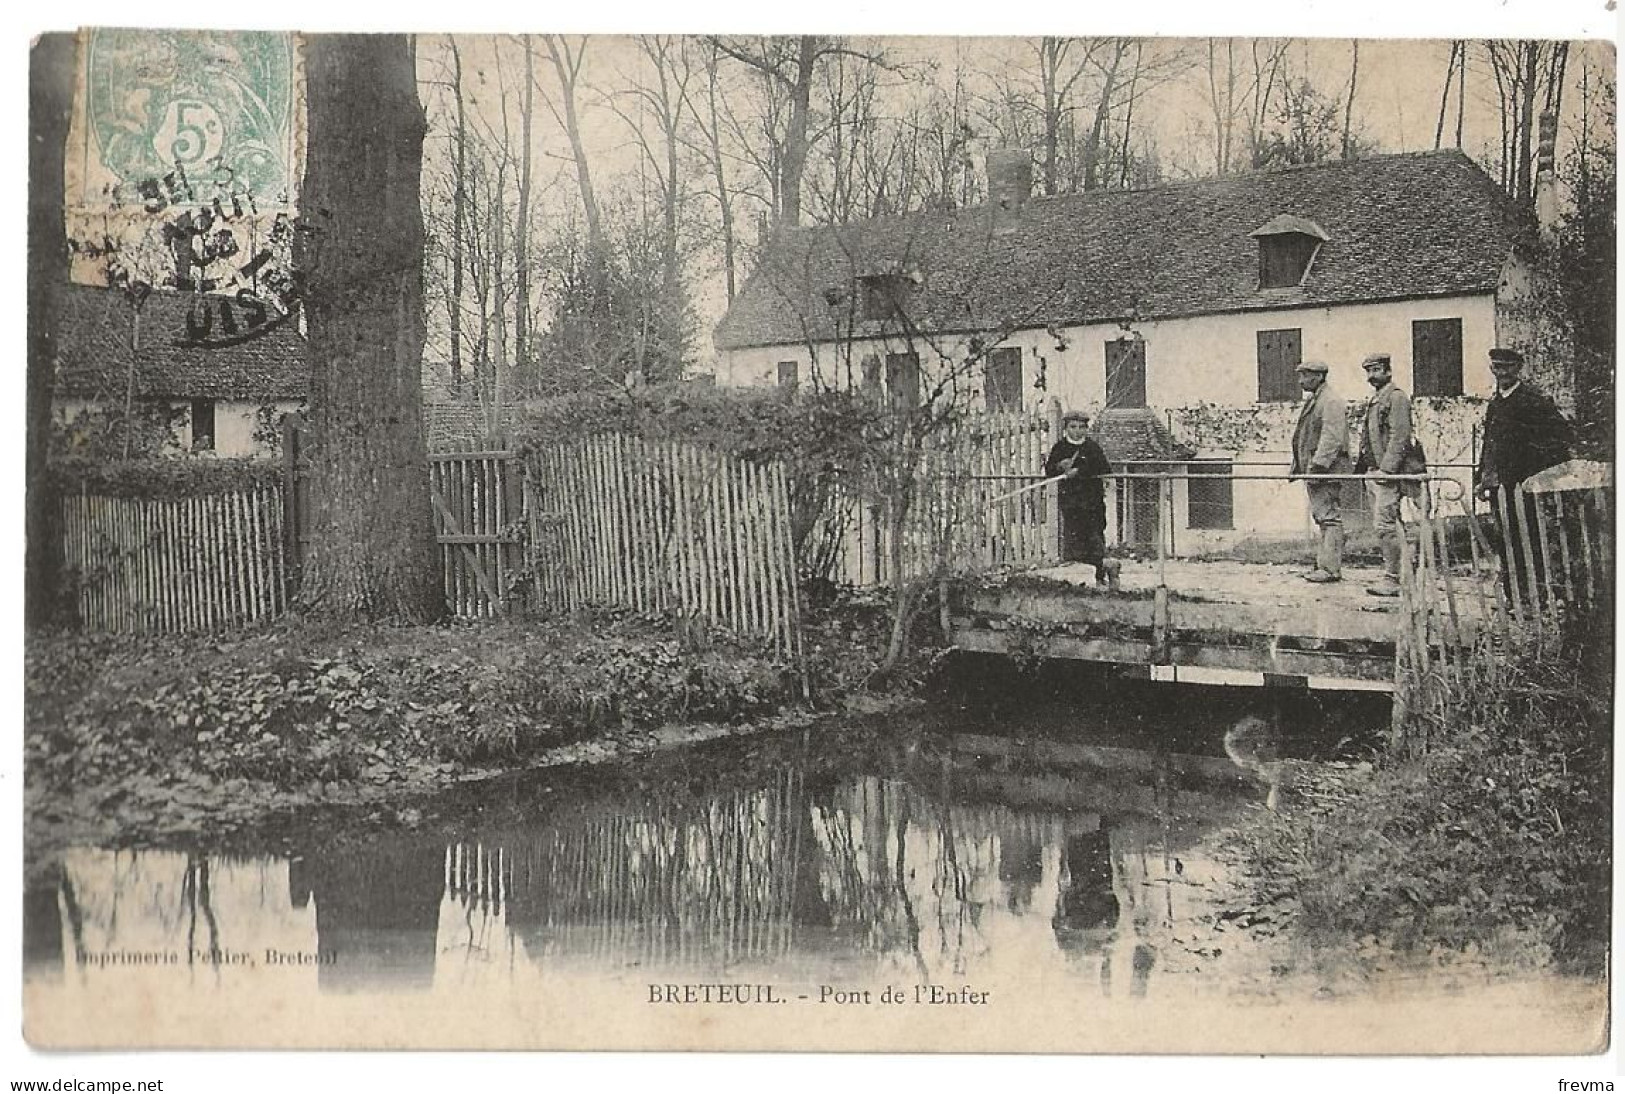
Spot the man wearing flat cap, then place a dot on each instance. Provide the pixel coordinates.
(1082, 495)
(1320, 446)
(1388, 447)
(1524, 434)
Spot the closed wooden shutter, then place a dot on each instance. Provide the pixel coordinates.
(1125, 373)
(871, 375)
(903, 378)
(1280, 352)
(1002, 389)
(1436, 357)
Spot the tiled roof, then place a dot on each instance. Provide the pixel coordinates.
(1416, 224)
(94, 338)
(1135, 435)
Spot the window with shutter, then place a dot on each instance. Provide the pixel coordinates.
(203, 425)
(1125, 373)
(1211, 502)
(871, 375)
(903, 378)
(1436, 357)
(1002, 387)
(1280, 352)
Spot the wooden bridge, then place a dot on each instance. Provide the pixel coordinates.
(1237, 622)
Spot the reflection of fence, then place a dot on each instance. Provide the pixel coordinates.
(711, 881)
(144, 565)
(662, 526)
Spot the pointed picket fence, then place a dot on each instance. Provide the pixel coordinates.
(662, 526)
(166, 565)
(957, 518)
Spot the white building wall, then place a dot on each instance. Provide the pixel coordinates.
(234, 424)
(1213, 359)
(1209, 358)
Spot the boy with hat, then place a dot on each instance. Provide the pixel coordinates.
(1082, 495)
(1388, 447)
(1320, 446)
(1524, 434)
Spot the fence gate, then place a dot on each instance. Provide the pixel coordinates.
(477, 499)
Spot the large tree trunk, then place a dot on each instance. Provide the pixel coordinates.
(51, 74)
(372, 550)
(1051, 50)
(1526, 124)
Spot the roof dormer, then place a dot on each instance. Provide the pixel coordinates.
(1286, 248)
(885, 294)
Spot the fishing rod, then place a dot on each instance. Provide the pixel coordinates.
(1018, 491)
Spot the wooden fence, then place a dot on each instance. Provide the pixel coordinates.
(954, 518)
(206, 563)
(1468, 601)
(664, 526)
(478, 505)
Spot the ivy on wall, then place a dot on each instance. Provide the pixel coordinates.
(1447, 427)
(1257, 427)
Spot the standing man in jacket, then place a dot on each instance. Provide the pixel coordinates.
(1388, 448)
(1320, 446)
(1523, 435)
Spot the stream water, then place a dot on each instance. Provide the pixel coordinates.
(1032, 863)
(1066, 828)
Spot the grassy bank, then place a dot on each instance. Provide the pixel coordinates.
(1491, 847)
(135, 738)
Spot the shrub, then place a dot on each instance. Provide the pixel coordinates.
(1495, 842)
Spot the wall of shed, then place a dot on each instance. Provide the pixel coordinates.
(234, 423)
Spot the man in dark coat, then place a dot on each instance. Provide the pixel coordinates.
(1524, 434)
(1082, 494)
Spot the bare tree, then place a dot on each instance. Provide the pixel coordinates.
(521, 311)
(1457, 55)
(1527, 75)
(788, 67)
(708, 118)
(459, 217)
(1348, 104)
(569, 60)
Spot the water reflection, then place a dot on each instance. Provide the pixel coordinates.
(942, 866)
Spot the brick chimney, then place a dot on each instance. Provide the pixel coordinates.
(1009, 177)
(1546, 215)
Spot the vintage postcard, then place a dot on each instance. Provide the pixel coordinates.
(819, 543)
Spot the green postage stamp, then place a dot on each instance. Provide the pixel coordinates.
(164, 109)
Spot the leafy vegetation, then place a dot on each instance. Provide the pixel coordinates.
(1493, 845)
(142, 734)
(298, 707)
(162, 478)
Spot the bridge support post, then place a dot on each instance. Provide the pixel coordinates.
(1162, 652)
